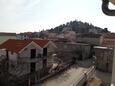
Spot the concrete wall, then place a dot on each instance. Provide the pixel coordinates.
(2, 52)
(95, 41)
(113, 70)
(12, 55)
(104, 59)
(85, 52)
(69, 50)
(51, 48)
(27, 51)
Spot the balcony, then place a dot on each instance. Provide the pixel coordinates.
(28, 60)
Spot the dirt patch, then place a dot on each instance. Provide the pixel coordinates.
(94, 82)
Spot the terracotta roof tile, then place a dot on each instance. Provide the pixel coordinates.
(41, 43)
(17, 45)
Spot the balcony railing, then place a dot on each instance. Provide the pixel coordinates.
(28, 59)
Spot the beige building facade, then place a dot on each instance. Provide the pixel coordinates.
(23, 53)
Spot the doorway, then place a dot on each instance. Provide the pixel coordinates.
(32, 67)
(32, 64)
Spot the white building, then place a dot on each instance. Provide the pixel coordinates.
(23, 36)
(24, 55)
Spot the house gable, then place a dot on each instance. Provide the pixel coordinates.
(50, 43)
(51, 46)
(18, 45)
(32, 43)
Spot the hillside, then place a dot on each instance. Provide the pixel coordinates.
(78, 27)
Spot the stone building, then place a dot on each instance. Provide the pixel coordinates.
(68, 50)
(90, 38)
(108, 40)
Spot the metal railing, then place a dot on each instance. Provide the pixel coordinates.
(85, 76)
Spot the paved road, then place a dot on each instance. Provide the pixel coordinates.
(65, 79)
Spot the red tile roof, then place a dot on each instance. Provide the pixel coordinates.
(41, 43)
(17, 45)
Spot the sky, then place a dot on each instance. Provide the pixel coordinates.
(36, 15)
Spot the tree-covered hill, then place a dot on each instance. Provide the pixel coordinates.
(78, 27)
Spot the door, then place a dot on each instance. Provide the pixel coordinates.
(44, 51)
(32, 70)
(32, 67)
(33, 64)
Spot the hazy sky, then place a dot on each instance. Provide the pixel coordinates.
(35, 15)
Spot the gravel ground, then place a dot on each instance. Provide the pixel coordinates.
(94, 82)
